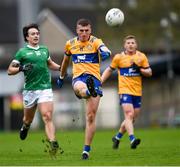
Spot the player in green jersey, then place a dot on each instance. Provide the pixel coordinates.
(34, 61)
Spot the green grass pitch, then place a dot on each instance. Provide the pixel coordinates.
(159, 147)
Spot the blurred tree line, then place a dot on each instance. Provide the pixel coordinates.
(142, 19)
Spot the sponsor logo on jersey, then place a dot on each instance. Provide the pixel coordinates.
(29, 53)
(129, 72)
(85, 58)
(81, 58)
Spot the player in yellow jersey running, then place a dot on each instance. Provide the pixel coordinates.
(86, 52)
(132, 65)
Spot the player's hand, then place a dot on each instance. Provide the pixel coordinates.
(136, 67)
(26, 67)
(60, 82)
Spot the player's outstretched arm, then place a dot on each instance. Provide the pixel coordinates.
(106, 74)
(53, 66)
(63, 69)
(64, 66)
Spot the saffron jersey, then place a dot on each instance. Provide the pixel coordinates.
(85, 56)
(129, 80)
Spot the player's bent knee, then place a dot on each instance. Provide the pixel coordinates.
(47, 117)
(129, 114)
(91, 117)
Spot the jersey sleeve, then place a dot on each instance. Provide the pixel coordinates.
(145, 62)
(47, 51)
(67, 51)
(103, 51)
(98, 43)
(48, 54)
(18, 56)
(115, 61)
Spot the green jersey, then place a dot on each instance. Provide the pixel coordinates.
(39, 77)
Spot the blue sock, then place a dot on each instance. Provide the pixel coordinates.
(87, 148)
(119, 135)
(131, 137)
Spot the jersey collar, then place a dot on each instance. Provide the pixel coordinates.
(31, 47)
(81, 41)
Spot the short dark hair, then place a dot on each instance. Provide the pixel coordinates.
(26, 29)
(83, 22)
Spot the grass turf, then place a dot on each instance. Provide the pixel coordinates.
(159, 147)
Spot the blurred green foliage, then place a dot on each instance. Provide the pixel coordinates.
(142, 20)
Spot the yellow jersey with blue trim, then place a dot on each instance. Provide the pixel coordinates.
(129, 80)
(85, 56)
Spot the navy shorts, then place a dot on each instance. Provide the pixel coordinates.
(97, 83)
(134, 100)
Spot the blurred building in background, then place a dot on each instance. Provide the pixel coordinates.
(156, 26)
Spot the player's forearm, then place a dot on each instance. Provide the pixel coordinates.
(12, 70)
(146, 72)
(106, 74)
(53, 66)
(64, 67)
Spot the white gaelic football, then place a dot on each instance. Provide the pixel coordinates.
(114, 17)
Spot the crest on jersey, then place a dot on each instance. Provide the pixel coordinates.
(89, 47)
(38, 53)
(125, 98)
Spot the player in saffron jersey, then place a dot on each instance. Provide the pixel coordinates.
(34, 60)
(132, 65)
(86, 52)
